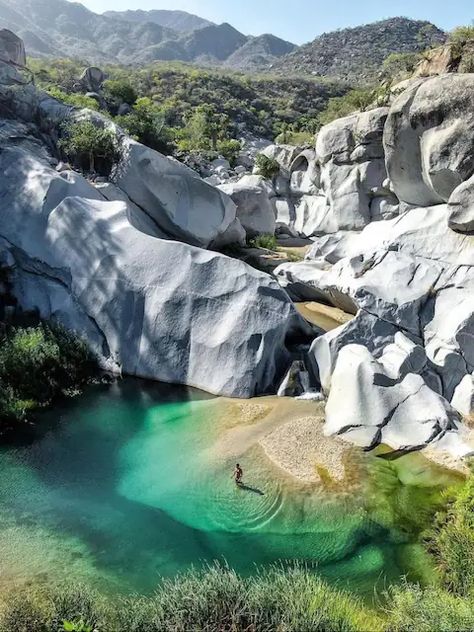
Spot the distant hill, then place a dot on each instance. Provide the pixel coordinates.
(179, 21)
(57, 28)
(356, 54)
(259, 52)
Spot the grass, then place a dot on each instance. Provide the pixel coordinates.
(291, 600)
(451, 541)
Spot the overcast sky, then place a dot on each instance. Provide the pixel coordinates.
(301, 20)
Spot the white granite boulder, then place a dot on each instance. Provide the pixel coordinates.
(149, 307)
(369, 407)
(429, 139)
(351, 158)
(463, 398)
(461, 208)
(251, 196)
(179, 202)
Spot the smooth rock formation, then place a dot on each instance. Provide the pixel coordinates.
(461, 208)
(351, 156)
(463, 398)
(12, 49)
(149, 307)
(92, 79)
(177, 200)
(251, 195)
(429, 139)
(369, 407)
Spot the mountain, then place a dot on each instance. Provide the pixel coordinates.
(179, 21)
(259, 52)
(67, 29)
(356, 54)
(57, 28)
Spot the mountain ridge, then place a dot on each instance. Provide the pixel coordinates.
(58, 28)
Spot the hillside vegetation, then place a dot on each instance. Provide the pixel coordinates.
(174, 106)
(356, 54)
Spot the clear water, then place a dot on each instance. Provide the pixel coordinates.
(125, 487)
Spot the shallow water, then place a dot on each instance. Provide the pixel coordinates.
(125, 487)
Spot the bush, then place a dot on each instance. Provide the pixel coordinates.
(353, 101)
(229, 149)
(266, 167)
(291, 137)
(73, 98)
(398, 66)
(412, 609)
(146, 123)
(87, 144)
(452, 541)
(268, 242)
(462, 34)
(38, 364)
(120, 90)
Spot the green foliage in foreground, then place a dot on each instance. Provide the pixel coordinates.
(452, 541)
(38, 364)
(266, 167)
(412, 609)
(291, 600)
(89, 146)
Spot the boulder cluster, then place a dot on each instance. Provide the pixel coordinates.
(394, 246)
(125, 262)
(387, 197)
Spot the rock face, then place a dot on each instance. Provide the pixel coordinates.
(429, 139)
(173, 196)
(92, 79)
(461, 207)
(251, 195)
(12, 49)
(149, 307)
(398, 253)
(109, 262)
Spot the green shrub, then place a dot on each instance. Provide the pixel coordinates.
(266, 167)
(229, 149)
(462, 34)
(89, 146)
(354, 101)
(120, 90)
(452, 541)
(146, 123)
(398, 66)
(38, 364)
(268, 242)
(291, 137)
(411, 609)
(73, 98)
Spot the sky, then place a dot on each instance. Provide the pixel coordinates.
(300, 21)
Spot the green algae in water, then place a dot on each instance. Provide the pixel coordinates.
(125, 487)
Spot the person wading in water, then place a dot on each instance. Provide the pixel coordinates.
(237, 475)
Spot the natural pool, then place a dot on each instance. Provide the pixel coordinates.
(125, 485)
